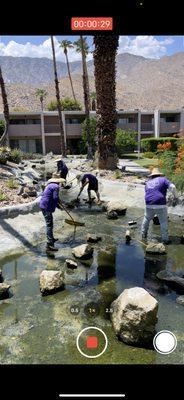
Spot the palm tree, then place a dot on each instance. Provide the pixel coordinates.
(41, 93)
(105, 82)
(63, 147)
(67, 44)
(4, 138)
(93, 101)
(83, 48)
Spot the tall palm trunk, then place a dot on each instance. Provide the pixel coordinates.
(86, 100)
(63, 147)
(69, 74)
(105, 81)
(4, 138)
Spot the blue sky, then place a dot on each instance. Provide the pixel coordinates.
(39, 46)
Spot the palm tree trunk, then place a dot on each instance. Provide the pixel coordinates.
(69, 75)
(86, 100)
(105, 81)
(4, 138)
(63, 147)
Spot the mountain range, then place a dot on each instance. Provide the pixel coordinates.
(141, 82)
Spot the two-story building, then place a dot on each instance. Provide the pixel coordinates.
(39, 132)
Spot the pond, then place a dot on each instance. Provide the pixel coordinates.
(36, 329)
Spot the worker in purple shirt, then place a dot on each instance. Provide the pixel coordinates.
(48, 203)
(62, 169)
(155, 198)
(92, 182)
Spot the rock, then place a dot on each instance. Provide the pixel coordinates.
(134, 316)
(117, 206)
(24, 195)
(83, 251)
(171, 278)
(93, 238)
(51, 281)
(4, 290)
(157, 248)
(180, 300)
(112, 215)
(71, 264)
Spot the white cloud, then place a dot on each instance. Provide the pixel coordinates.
(28, 49)
(146, 46)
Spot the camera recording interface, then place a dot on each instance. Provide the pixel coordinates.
(91, 199)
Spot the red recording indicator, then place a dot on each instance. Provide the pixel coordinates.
(92, 24)
(92, 342)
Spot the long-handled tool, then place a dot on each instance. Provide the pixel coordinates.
(71, 221)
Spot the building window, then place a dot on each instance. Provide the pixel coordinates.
(17, 121)
(72, 121)
(170, 118)
(33, 121)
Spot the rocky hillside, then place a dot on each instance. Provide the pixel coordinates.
(141, 83)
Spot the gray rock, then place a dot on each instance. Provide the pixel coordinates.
(51, 281)
(180, 300)
(93, 238)
(4, 290)
(112, 215)
(83, 251)
(157, 248)
(134, 316)
(118, 206)
(71, 264)
(172, 278)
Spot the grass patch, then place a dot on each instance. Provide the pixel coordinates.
(12, 184)
(3, 196)
(147, 162)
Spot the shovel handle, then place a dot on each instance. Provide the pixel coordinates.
(61, 205)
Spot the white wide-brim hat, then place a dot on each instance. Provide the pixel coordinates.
(155, 171)
(56, 179)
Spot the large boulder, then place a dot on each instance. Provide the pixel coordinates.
(180, 300)
(84, 251)
(171, 278)
(134, 316)
(51, 281)
(157, 248)
(116, 205)
(71, 264)
(4, 290)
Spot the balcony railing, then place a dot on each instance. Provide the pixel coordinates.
(147, 126)
(169, 127)
(24, 130)
(129, 126)
(52, 128)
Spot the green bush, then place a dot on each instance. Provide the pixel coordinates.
(167, 162)
(82, 146)
(2, 127)
(149, 154)
(4, 154)
(67, 104)
(118, 174)
(178, 180)
(125, 141)
(15, 156)
(3, 196)
(150, 144)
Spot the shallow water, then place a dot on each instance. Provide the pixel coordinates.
(36, 329)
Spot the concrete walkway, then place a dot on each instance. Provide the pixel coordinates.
(133, 167)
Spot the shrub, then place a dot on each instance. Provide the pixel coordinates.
(178, 180)
(82, 147)
(4, 154)
(15, 156)
(3, 196)
(167, 162)
(149, 154)
(67, 104)
(118, 174)
(12, 184)
(125, 141)
(2, 127)
(150, 144)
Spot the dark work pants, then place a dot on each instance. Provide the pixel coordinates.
(49, 227)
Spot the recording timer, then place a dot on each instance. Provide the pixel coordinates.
(92, 24)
